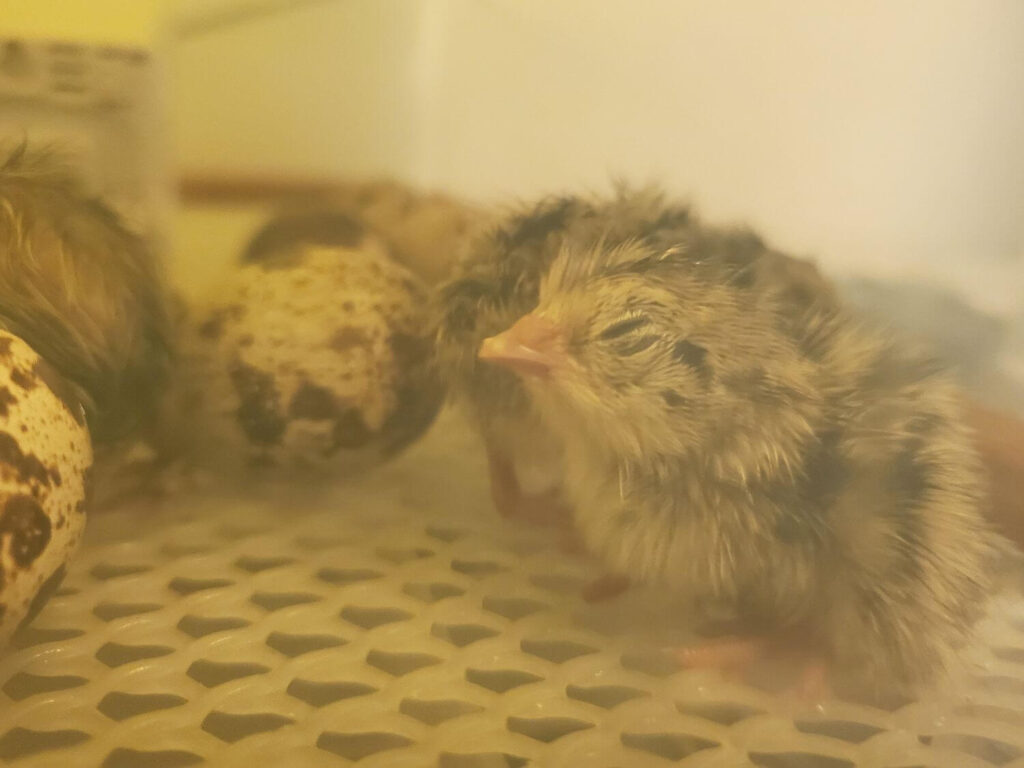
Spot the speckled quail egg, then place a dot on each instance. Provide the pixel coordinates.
(45, 457)
(312, 356)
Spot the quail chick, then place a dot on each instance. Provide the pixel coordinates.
(497, 281)
(728, 432)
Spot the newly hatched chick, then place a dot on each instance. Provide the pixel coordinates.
(728, 432)
(497, 282)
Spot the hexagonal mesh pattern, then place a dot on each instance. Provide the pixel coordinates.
(394, 622)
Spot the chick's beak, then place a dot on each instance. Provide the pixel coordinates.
(531, 347)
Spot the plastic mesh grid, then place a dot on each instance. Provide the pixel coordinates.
(395, 622)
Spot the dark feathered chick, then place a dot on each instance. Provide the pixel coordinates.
(727, 431)
(82, 290)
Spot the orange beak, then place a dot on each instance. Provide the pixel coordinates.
(531, 347)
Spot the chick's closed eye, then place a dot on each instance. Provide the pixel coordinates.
(622, 327)
(630, 336)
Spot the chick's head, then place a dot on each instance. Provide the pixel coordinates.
(655, 352)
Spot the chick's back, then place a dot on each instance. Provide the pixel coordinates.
(908, 561)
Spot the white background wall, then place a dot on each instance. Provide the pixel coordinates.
(323, 89)
(880, 136)
(873, 131)
(877, 135)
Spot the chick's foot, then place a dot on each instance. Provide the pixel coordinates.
(605, 587)
(805, 675)
(812, 685)
(731, 654)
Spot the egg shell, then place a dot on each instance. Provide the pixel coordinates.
(318, 359)
(45, 458)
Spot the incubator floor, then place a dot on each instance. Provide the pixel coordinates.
(395, 620)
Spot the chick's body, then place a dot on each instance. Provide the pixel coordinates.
(728, 432)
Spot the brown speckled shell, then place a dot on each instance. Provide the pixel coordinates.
(319, 359)
(45, 456)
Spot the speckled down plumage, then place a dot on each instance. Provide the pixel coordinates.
(312, 356)
(45, 455)
(728, 431)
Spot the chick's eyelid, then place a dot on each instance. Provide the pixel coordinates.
(623, 327)
(634, 345)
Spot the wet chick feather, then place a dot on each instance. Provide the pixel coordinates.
(82, 290)
(727, 431)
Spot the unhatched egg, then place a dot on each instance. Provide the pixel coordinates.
(45, 456)
(312, 356)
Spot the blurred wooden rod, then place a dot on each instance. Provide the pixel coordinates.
(251, 189)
